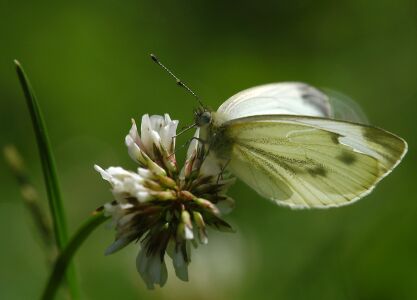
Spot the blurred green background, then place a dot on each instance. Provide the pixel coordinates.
(89, 64)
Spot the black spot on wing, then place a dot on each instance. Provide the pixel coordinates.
(335, 138)
(347, 158)
(317, 171)
(315, 98)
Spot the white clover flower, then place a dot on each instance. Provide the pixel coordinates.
(163, 208)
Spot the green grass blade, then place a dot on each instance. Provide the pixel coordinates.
(68, 253)
(49, 173)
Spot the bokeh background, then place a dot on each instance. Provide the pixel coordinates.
(89, 64)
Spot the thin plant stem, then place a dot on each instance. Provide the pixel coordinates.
(49, 173)
(66, 255)
(30, 198)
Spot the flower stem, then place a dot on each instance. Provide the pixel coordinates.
(30, 198)
(66, 255)
(50, 174)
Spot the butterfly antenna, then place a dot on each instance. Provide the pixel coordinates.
(179, 81)
(185, 130)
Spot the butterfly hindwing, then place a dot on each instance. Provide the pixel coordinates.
(310, 162)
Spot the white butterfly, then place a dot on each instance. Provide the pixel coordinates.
(296, 146)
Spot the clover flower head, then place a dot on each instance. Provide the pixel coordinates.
(164, 208)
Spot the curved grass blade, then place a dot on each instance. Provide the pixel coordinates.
(65, 257)
(49, 173)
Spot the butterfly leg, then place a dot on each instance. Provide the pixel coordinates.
(222, 169)
(197, 139)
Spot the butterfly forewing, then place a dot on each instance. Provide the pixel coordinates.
(289, 98)
(310, 162)
(344, 108)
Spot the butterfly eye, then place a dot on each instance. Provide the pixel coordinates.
(203, 119)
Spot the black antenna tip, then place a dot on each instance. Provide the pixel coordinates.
(154, 58)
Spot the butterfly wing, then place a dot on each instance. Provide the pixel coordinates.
(290, 98)
(306, 162)
(285, 98)
(344, 108)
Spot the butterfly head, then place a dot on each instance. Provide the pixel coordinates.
(202, 117)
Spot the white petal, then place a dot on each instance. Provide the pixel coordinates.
(125, 205)
(157, 122)
(133, 149)
(188, 233)
(113, 210)
(143, 196)
(120, 173)
(168, 133)
(194, 143)
(106, 176)
(156, 139)
(191, 161)
(133, 133)
(145, 133)
(167, 118)
(145, 173)
(125, 184)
